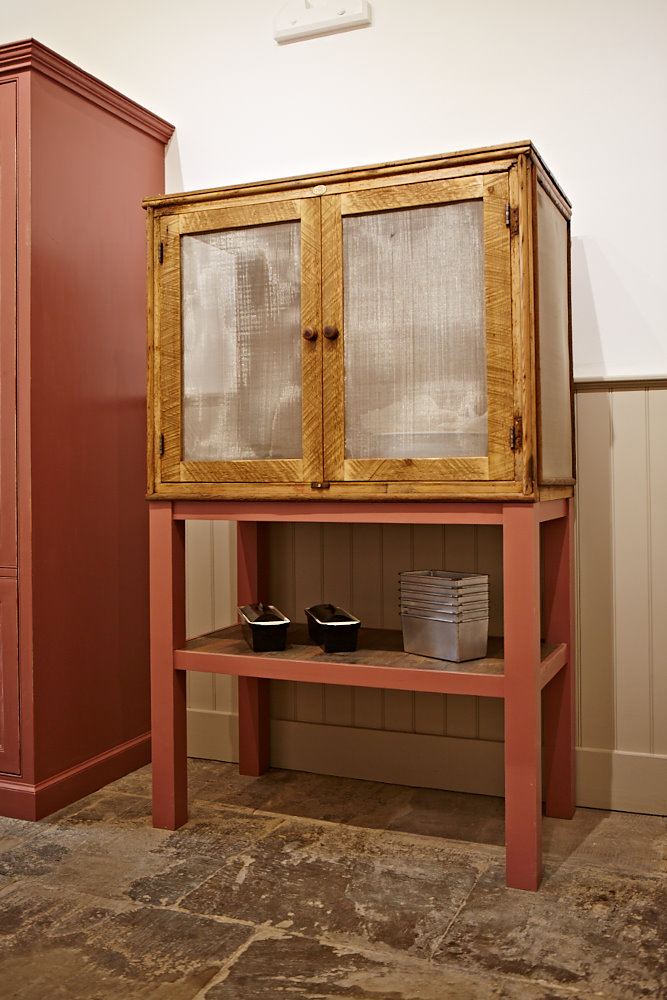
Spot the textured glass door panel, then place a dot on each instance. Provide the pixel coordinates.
(414, 329)
(241, 321)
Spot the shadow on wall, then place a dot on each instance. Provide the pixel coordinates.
(173, 169)
(606, 299)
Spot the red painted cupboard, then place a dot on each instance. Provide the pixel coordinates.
(76, 159)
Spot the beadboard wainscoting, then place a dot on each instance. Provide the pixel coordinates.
(456, 742)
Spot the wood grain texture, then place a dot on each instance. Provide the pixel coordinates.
(168, 352)
(499, 353)
(333, 370)
(259, 212)
(477, 490)
(386, 199)
(525, 359)
(311, 350)
(458, 162)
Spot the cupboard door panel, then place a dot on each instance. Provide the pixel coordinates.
(414, 382)
(241, 385)
(8, 194)
(9, 679)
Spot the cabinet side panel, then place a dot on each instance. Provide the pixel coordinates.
(553, 342)
(90, 171)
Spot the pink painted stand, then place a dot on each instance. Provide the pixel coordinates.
(534, 675)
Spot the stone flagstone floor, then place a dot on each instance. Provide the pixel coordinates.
(309, 887)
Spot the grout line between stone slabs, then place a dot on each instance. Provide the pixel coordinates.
(262, 933)
(464, 902)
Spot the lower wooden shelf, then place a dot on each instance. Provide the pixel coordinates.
(379, 661)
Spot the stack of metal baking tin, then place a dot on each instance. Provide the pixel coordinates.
(444, 615)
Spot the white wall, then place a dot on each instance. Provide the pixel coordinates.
(584, 79)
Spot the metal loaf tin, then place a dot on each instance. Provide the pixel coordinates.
(264, 627)
(444, 614)
(456, 641)
(452, 607)
(443, 579)
(444, 596)
(332, 628)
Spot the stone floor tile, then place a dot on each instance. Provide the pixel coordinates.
(101, 859)
(112, 806)
(135, 783)
(614, 840)
(62, 945)
(293, 793)
(305, 969)
(219, 833)
(109, 848)
(14, 832)
(177, 878)
(192, 854)
(478, 819)
(602, 932)
(361, 886)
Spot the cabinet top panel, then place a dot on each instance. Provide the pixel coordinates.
(484, 159)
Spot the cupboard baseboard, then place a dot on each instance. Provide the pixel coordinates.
(27, 801)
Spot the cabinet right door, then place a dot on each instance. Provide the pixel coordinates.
(416, 298)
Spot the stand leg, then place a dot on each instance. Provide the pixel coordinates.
(167, 630)
(523, 756)
(558, 545)
(254, 730)
(254, 724)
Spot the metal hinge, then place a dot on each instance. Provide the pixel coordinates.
(161, 445)
(516, 434)
(160, 253)
(512, 219)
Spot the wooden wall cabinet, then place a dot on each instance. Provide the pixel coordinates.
(76, 159)
(394, 332)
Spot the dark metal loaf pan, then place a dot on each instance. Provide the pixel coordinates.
(332, 628)
(264, 627)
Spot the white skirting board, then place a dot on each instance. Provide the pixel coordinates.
(627, 782)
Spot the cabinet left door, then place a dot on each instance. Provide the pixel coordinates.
(238, 354)
(9, 668)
